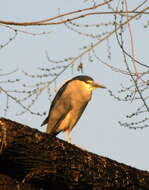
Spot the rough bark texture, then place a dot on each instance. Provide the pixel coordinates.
(35, 160)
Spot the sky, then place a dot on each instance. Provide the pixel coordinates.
(98, 130)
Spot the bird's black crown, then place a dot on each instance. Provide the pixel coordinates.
(82, 78)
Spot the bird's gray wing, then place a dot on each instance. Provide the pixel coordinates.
(58, 95)
(58, 112)
(60, 107)
(82, 110)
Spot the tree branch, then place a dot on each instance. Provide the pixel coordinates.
(30, 156)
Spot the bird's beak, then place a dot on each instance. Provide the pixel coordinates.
(97, 85)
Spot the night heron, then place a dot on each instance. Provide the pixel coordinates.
(69, 104)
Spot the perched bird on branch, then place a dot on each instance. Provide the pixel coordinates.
(69, 104)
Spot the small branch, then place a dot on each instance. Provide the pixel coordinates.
(115, 69)
(11, 72)
(15, 100)
(131, 42)
(44, 22)
(133, 79)
(24, 31)
(140, 5)
(9, 40)
(55, 17)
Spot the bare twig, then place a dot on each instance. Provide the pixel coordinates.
(42, 22)
(136, 85)
(5, 74)
(131, 41)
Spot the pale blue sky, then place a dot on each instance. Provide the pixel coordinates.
(98, 130)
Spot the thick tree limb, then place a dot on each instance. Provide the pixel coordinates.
(29, 156)
(8, 183)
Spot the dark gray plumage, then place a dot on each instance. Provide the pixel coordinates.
(69, 104)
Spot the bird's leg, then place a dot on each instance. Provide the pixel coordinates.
(68, 138)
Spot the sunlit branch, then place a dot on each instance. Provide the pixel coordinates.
(43, 22)
(55, 17)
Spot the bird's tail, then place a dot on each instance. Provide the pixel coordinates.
(44, 122)
(54, 133)
(47, 130)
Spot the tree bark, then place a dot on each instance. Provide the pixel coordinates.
(41, 161)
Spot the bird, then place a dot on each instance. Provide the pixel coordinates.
(68, 105)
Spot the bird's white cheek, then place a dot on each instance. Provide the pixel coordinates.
(87, 87)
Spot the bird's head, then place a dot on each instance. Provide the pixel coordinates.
(88, 82)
